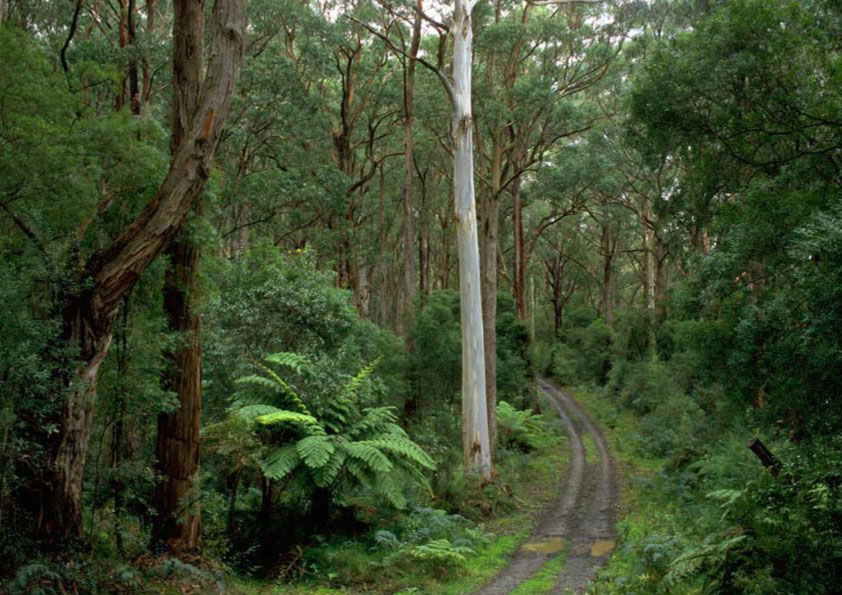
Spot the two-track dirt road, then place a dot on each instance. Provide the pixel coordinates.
(583, 516)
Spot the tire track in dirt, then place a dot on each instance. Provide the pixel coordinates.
(582, 517)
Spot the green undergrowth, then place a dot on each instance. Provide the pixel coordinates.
(502, 516)
(650, 509)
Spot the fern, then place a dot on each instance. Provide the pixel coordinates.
(375, 420)
(252, 412)
(441, 551)
(389, 487)
(315, 450)
(404, 447)
(353, 387)
(279, 416)
(328, 473)
(291, 360)
(522, 429)
(341, 447)
(281, 462)
(370, 455)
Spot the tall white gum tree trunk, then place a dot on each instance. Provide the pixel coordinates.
(475, 437)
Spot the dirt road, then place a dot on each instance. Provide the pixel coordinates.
(582, 518)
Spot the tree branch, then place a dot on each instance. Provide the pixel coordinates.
(27, 231)
(451, 94)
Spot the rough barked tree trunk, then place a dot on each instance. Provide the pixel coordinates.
(490, 233)
(649, 287)
(147, 71)
(661, 277)
(177, 520)
(112, 272)
(475, 438)
(519, 278)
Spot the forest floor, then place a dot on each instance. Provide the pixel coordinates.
(575, 534)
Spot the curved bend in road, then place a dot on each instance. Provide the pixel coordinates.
(583, 515)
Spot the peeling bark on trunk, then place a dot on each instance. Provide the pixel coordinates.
(147, 71)
(475, 438)
(111, 273)
(177, 520)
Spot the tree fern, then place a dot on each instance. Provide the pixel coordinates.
(338, 447)
(327, 474)
(295, 361)
(280, 416)
(374, 420)
(353, 387)
(403, 447)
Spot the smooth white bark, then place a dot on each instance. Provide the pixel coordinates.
(475, 437)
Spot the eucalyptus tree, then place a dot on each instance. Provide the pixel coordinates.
(475, 428)
(111, 272)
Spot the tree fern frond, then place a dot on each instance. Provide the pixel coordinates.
(353, 386)
(370, 455)
(295, 361)
(390, 489)
(325, 475)
(337, 416)
(375, 420)
(361, 472)
(281, 462)
(403, 448)
(280, 416)
(252, 412)
(315, 450)
(285, 388)
(258, 380)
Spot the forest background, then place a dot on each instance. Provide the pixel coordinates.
(230, 229)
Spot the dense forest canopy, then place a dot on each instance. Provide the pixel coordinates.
(326, 248)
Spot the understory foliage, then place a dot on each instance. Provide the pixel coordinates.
(333, 444)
